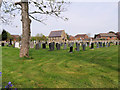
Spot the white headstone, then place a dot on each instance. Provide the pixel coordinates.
(17, 45)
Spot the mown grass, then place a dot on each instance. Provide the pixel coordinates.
(96, 68)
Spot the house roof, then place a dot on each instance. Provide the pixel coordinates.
(57, 33)
(15, 36)
(107, 35)
(80, 35)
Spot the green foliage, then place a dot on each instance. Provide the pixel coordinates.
(68, 36)
(96, 68)
(4, 35)
(39, 37)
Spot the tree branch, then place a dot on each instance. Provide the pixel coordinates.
(37, 19)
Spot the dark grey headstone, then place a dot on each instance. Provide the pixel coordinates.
(50, 47)
(100, 44)
(2, 44)
(65, 46)
(58, 46)
(68, 44)
(44, 45)
(97, 45)
(78, 47)
(71, 49)
(76, 44)
(104, 44)
(84, 46)
(92, 45)
(10, 42)
(109, 44)
(37, 46)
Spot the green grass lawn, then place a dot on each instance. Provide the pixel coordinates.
(96, 68)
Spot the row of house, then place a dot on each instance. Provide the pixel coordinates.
(60, 36)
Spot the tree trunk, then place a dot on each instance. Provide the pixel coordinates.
(0, 3)
(24, 51)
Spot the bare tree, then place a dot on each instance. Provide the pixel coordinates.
(40, 7)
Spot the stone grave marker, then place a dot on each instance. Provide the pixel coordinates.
(92, 45)
(72, 43)
(104, 44)
(109, 44)
(78, 47)
(71, 49)
(68, 44)
(31, 44)
(100, 44)
(65, 46)
(39, 43)
(97, 44)
(76, 44)
(83, 46)
(17, 45)
(50, 46)
(44, 45)
(2, 44)
(37, 46)
(58, 46)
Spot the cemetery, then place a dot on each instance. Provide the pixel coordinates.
(60, 65)
(41, 46)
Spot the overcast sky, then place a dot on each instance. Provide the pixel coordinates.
(84, 17)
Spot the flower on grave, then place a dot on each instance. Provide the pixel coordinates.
(9, 85)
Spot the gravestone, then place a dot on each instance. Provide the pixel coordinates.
(58, 46)
(31, 44)
(98, 45)
(65, 46)
(109, 44)
(92, 45)
(61, 44)
(83, 46)
(53, 45)
(50, 46)
(78, 47)
(44, 45)
(76, 44)
(2, 44)
(17, 45)
(71, 49)
(37, 46)
(104, 44)
(86, 44)
(68, 44)
(10, 43)
(46, 42)
(72, 43)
